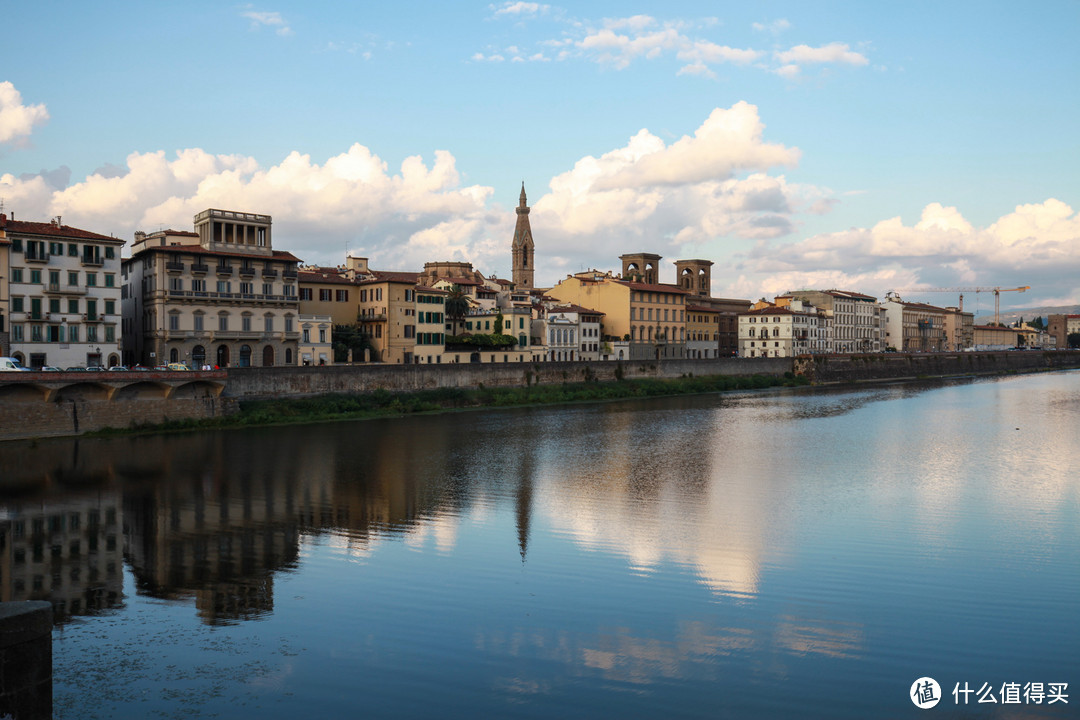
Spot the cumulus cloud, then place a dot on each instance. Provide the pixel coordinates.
(609, 47)
(260, 19)
(518, 9)
(832, 53)
(17, 120)
(1035, 244)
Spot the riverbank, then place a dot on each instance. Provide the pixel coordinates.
(385, 403)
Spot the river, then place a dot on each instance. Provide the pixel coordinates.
(768, 554)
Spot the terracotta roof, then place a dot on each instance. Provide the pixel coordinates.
(700, 308)
(277, 255)
(459, 280)
(503, 282)
(317, 276)
(673, 289)
(395, 277)
(850, 294)
(436, 291)
(571, 307)
(48, 229)
(775, 311)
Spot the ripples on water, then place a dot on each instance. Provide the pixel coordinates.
(773, 554)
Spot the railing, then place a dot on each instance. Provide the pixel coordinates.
(35, 257)
(203, 294)
(58, 289)
(174, 266)
(200, 268)
(222, 270)
(92, 260)
(267, 273)
(288, 273)
(247, 272)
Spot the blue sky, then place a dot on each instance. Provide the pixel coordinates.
(869, 146)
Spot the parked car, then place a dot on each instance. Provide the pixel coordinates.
(178, 366)
(76, 368)
(118, 368)
(9, 364)
(140, 368)
(161, 367)
(49, 368)
(94, 368)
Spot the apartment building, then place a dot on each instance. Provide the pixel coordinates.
(219, 296)
(430, 332)
(782, 331)
(914, 327)
(856, 321)
(62, 292)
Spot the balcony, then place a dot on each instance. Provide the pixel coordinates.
(92, 317)
(35, 257)
(247, 272)
(174, 266)
(230, 297)
(223, 271)
(198, 268)
(92, 261)
(288, 274)
(268, 273)
(58, 289)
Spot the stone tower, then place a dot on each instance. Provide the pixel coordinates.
(695, 276)
(641, 267)
(523, 247)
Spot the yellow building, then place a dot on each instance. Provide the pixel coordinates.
(702, 331)
(430, 325)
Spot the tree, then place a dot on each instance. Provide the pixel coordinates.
(346, 338)
(457, 307)
(1037, 323)
(499, 323)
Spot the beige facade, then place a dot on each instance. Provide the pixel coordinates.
(5, 252)
(652, 317)
(316, 346)
(996, 337)
(62, 286)
(386, 312)
(702, 331)
(959, 329)
(220, 296)
(1061, 326)
(914, 327)
(796, 328)
(430, 325)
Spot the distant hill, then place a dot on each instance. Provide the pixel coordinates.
(1028, 314)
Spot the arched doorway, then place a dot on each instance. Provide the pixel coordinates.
(288, 356)
(245, 356)
(223, 356)
(114, 360)
(198, 357)
(174, 355)
(268, 356)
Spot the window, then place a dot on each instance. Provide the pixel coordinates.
(245, 323)
(223, 286)
(35, 333)
(223, 323)
(16, 245)
(307, 336)
(16, 333)
(73, 278)
(73, 250)
(91, 333)
(54, 305)
(176, 283)
(305, 294)
(73, 305)
(110, 253)
(73, 333)
(110, 333)
(16, 275)
(324, 296)
(110, 279)
(247, 288)
(198, 286)
(56, 248)
(268, 324)
(35, 277)
(288, 323)
(198, 323)
(322, 335)
(110, 307)
(268, 289)
(288, 290)
(342, 296)
(91, 279)
(174, 322)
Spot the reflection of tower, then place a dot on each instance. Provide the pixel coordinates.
(694, 276)
(640, 267)
(523, 246)
(523, 504)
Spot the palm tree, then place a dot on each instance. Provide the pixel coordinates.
(457, 307)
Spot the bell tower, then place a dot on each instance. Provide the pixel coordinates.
(641, 267)
(523, 247)
(695, 276)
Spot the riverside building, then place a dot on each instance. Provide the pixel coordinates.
(219, 296)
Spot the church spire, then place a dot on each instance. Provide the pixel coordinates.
(522, 247)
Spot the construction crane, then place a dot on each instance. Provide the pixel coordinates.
(996, 290)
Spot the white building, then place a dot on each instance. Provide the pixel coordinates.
(775, 331)
(316, 340)
(64, 294)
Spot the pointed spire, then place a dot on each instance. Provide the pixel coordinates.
(521, 200)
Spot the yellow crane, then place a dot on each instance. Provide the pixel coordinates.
(996, 290)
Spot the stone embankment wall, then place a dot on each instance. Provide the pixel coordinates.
(898, 366)
(250, 383)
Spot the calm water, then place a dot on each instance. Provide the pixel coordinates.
(758, 555)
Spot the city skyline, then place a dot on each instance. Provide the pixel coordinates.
(840, 145)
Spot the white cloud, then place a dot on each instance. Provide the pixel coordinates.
(697, 68)
(520, 8)
(272, 19)
(775, 27)
(1036, 244)
(832, 53)
(608, 47)
(17, 120)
